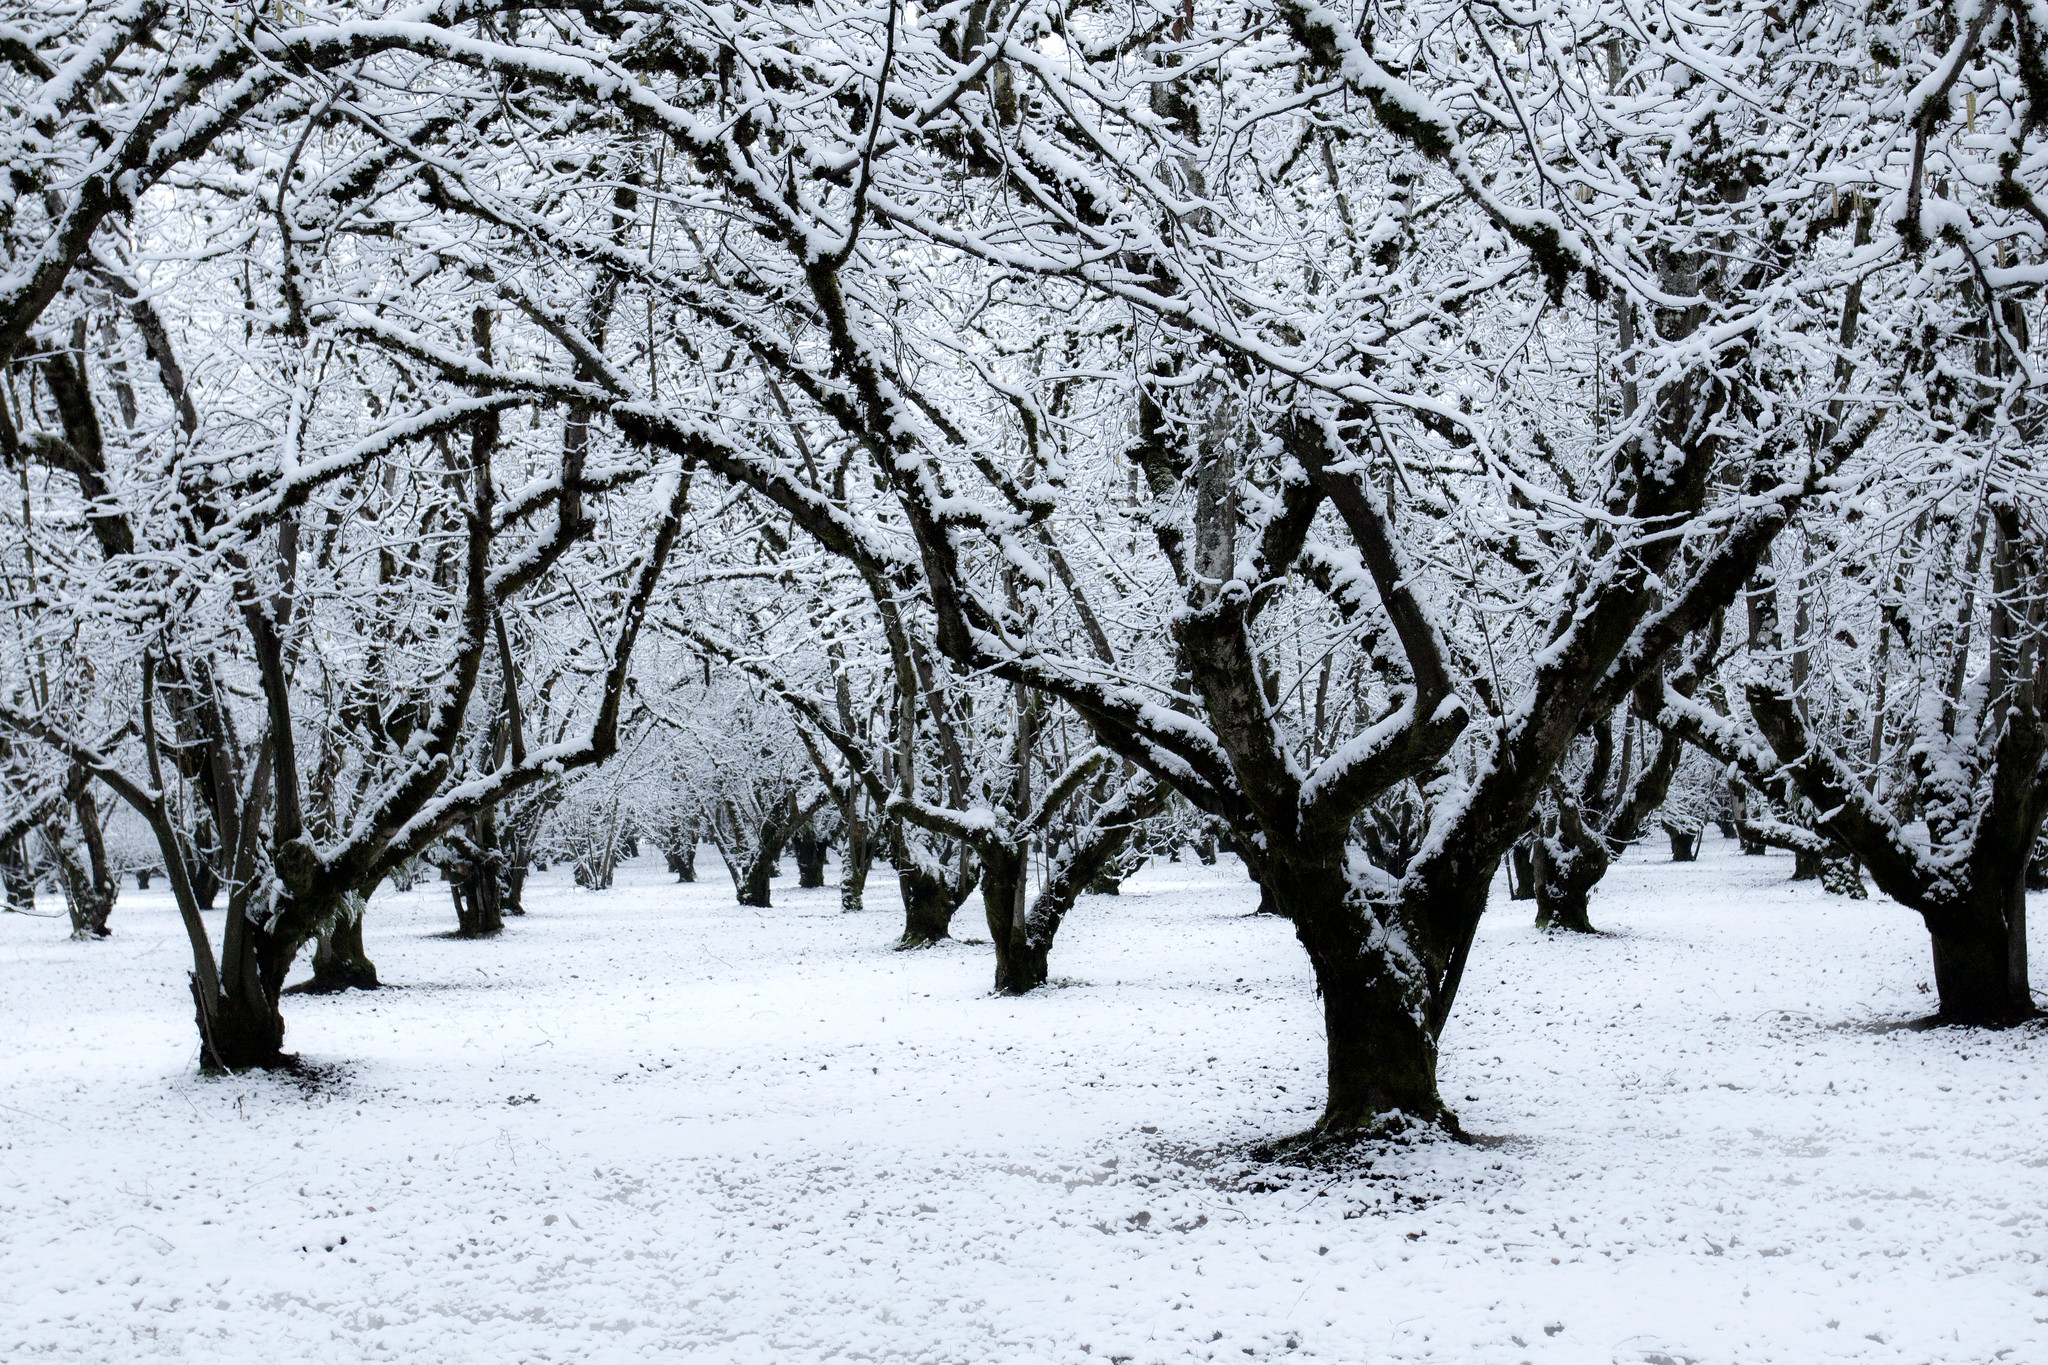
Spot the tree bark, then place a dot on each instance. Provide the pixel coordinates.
(854, 863)
(1738, 807)
(339, 960)
(1522, 872)
(1685, 845)
(682, 860)
(1980, 965)
(928, 906)
(14, 875)
(810, 849)
(1568, 865)
(756, 889)
(1018, 967)
(515, 883)
(1381, 1046)
(1023, 953)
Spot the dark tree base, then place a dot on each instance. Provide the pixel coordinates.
(1021, 967)
(1564, 914)
(239, 1039)
(363, 978)
(1323, 1146)
(928, 910)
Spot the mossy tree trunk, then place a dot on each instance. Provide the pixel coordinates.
(340, 962)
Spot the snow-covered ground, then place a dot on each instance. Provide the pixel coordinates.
(650, 1124)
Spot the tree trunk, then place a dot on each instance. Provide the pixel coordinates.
(1806, 865)
(106, 886)
(486, 899)
(1978, 977)
(1738, 809)
(14, 876)
(1382, 1052)
(1022, 966)
(206, 855)
(142, 876)
(1522, 872)
(239, 1036)
(82, 871)
(755, 885)
(1684, 844)
(485, 890)
(1568, 867)
(473, 885)
(515, 884)
(682, 860)
(854, 863)
(339, 961)
(928, 907)
(88, 904)
(1019, 966)
(810, 852)
(1980, 949)
(244, 1028)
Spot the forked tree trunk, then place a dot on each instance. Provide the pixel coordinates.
(766, 857)
(1685, 846)
(245, 1027)
(1023, 952)
(82, 869)
(1020, 965)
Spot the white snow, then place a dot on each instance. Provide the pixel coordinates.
(649, 1124)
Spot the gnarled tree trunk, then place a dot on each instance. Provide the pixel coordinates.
(340, 962)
